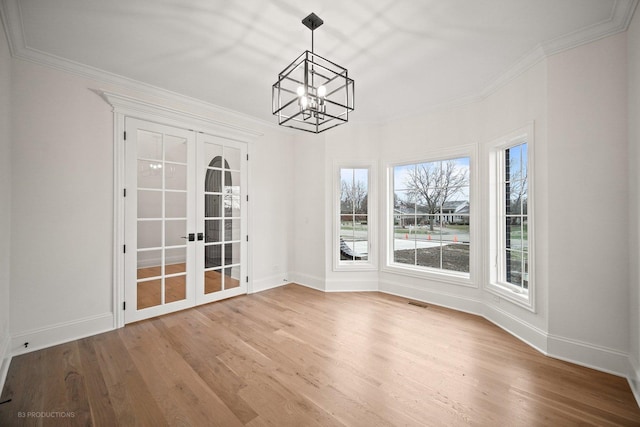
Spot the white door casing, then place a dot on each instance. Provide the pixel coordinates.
(125, 106)
(185, 219)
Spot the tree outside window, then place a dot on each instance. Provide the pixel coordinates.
(354, 214)
(515, 216)
(432, 215)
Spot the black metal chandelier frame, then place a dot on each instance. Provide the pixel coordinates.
(312, 93)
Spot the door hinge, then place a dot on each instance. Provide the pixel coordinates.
(247, 157)
(124, 305)
(124, 249)
(247, 237)
(247, 197)
(247, 280)
(125, 135)
(124, 192)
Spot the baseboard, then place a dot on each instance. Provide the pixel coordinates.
(634, 378)
(584, 354)
(529, 334)
(270, 282)
(353, 285)
(309, 281)
(60, 333)
(454, 302)
(589, 355)
(5, 360)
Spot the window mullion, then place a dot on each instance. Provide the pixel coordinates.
(428, 198)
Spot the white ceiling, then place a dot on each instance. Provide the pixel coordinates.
(404, 55)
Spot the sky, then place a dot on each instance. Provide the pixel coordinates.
(401, 174)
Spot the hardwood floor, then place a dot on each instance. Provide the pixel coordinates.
(295, 356)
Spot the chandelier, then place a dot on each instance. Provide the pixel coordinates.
(312, 94)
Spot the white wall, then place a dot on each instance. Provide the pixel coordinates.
(314, 160)
(271, 199)
(513, 106)
(350, 143)
(62, 205)
(633, 49)
(577, 101)
(588, 201)
(516, 104)
(62, 209)
(5, 198)
(521, 101)
(308, 207)
(422, 137)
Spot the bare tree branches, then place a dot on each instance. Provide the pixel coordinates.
(516, 191)
(353, 197)
(433, 184)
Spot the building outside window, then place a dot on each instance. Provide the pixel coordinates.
(431, 216)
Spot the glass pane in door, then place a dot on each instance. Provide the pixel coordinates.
(222, 216)
(149, 293)
(161, 219)
(232, 277)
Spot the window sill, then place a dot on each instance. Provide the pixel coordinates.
(512, 294)
(449, 277)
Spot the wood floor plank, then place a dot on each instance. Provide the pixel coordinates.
(296, 356)
(183, 397)
(24, 372)
(74, 376)
(130, 396)
(196, 352)
(101, 407)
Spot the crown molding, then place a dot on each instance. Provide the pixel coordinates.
(12, 23)
(618, 21)
(11, 17)
(134, 107)
(10, 14)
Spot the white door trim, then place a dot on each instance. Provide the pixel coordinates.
(126, 106)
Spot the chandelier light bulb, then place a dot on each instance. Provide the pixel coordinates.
(300, 90)
(303, 102)
(322, 91)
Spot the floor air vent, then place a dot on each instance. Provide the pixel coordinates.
(418, 304)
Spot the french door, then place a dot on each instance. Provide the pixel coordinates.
(185, 219)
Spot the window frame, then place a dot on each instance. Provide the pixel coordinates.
(446, 276)
(371, 263)
(496, 282)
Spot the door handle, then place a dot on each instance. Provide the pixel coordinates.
(200, 236)
(192, 237)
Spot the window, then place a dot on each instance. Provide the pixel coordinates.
(515, 240)
(430, 230)
(511, 227)
(354, 222)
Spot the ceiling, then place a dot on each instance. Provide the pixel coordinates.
(404, 55)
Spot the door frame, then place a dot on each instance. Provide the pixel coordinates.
(203, 162)
(125, 106)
